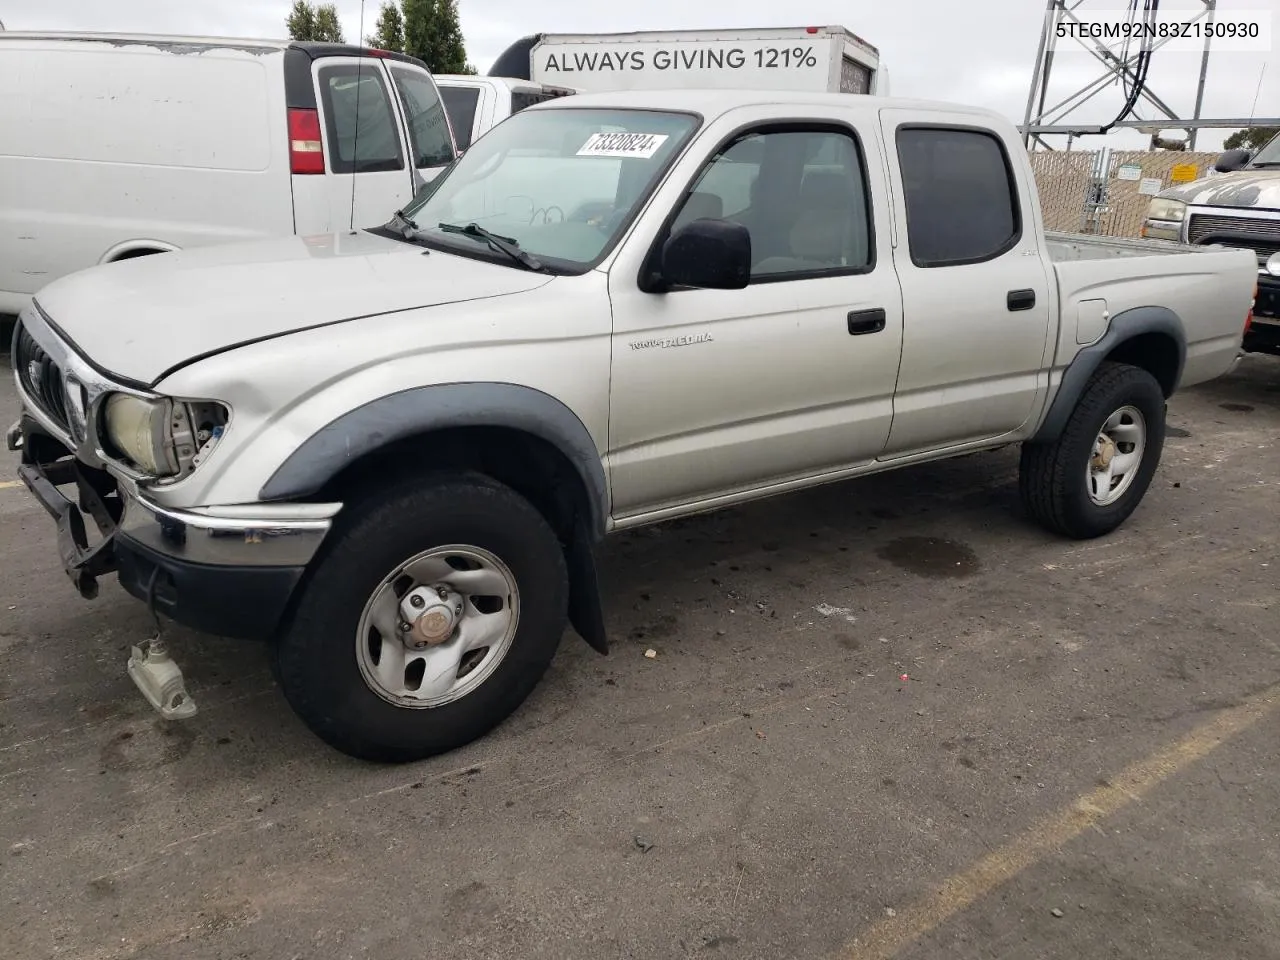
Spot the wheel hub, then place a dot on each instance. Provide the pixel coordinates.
(1103, 453)
(429, 616)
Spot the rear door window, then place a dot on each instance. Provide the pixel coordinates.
(520, 101)
(962, 206)
(461, 104)
(360, 125)
(428, 128)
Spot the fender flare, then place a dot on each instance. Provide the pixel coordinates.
(1124, 326)
(422, 409)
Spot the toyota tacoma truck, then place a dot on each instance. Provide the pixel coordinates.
(392, 453)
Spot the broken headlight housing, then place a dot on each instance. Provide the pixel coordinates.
(160, 438)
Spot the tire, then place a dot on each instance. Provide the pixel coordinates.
(330, 677)
(1057, 480)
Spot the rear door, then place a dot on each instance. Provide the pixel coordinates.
(367, 170)
(792, 377)
(975, 284)
(431, 139)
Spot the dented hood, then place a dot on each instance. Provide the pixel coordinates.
(139, 319)
(1255, 189)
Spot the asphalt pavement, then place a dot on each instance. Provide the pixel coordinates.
(886, 718)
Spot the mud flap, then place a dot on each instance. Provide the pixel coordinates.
(585, 611)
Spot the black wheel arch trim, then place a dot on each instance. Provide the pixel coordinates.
(1124, 326)
(423, 409)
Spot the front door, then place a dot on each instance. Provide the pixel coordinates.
(368, 174)
(717, 391)
(975, 285)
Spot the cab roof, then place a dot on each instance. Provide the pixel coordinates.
(714, 103)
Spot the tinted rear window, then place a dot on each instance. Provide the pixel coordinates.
(961, 206)
(349, 92)
(521, 100)
(461, 103)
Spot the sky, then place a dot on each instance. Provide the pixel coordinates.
(981, 52)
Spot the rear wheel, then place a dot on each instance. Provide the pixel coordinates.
(432, 615)
(1088, 482)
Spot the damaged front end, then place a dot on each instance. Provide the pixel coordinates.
(48, 468)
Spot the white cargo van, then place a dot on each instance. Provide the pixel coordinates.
(118, 145)
(476, 103)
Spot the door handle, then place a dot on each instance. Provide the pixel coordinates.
(1021, 299)
(866, 321)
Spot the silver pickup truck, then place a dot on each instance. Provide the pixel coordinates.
(1239, 207)
(391, 453)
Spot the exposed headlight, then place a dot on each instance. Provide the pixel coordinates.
(1162, 208)
(161, 437)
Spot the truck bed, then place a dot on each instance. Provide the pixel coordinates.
(1208, 288)
(1082, 246)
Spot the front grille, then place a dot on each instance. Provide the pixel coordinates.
(40, 378)
(1260, 236)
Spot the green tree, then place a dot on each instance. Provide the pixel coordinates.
(450, 50)
(301, 21)
(433, 34)
(389, 33)
(419, 23)
(306, 22)
(1254, 138)
(328, 26)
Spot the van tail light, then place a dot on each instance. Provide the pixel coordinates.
(306, 153)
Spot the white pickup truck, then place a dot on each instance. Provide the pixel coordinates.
(392, 452)
(475, 104)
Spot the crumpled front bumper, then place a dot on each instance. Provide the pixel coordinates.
(229, 571)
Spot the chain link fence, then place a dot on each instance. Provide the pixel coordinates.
(1107, 192)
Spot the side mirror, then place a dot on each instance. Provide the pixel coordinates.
(1232, 160)
(715, 254)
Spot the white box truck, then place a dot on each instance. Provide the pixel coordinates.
(830, 59)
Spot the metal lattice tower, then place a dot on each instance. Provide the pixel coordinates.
(1042, 120)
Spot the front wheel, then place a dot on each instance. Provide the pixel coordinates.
(1087, 482)
(430, 618)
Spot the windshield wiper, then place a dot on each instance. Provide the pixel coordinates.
(508, 245)
(1265, 163)
(402, 225)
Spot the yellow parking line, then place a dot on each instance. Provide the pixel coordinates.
(887, 937)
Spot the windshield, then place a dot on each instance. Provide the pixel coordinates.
(1269, 154)
(562, 183)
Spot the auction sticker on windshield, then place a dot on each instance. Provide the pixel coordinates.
(641, 146)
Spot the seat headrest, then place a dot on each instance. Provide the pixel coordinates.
(700, 205)
(824, 189)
